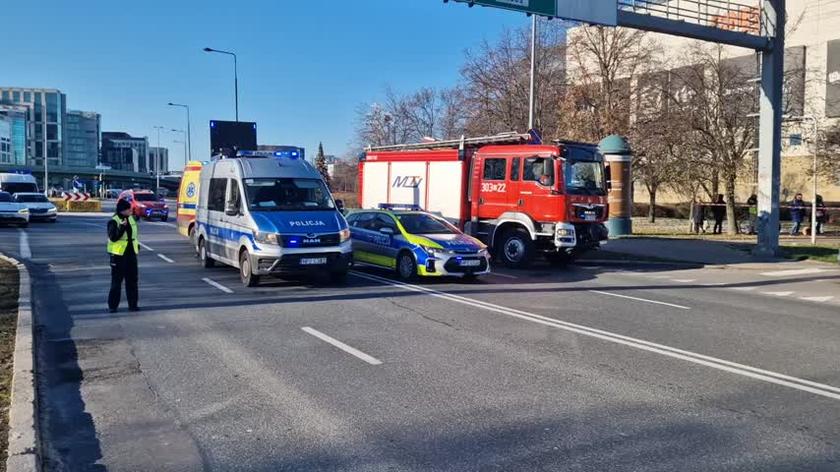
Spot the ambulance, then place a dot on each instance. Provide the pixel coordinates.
(188, 198)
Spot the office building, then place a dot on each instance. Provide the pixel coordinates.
(17, 118)
(160, 154)
(5, 140)
(122, 151)
(46, 117)
(82, 139)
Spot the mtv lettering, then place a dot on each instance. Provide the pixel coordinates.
(307, 223)
(411, 181)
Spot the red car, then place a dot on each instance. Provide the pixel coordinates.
(144, 204)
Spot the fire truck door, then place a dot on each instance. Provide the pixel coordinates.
(493, 188)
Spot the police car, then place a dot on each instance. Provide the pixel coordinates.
(413, 242)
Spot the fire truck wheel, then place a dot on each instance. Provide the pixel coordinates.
(406, 267)
(516, 248)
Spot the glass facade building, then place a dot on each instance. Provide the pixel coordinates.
(17, 119)
(81, 147)
(122, 151)
(46, 120)
(5, 140)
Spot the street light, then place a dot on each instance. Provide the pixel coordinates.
(188, 156)
(186, 160)
(235, 76)
(157, 160)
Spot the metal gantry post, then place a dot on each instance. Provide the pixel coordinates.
(770, 130)
(533, 71)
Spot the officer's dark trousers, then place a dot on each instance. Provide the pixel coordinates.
(123, 268)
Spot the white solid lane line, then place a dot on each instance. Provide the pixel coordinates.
(166, 259)
(25, 251)
(783, 273)
(146, 247)
(348, 349)
(743, 289)
(777, 294)
(693, 357)
(684, 281)
(817, 299)
(217, 285)
(641, 299)
(507, 276)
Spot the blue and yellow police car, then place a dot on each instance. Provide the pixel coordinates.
(413, 242)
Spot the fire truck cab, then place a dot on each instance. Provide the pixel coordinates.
(520, 199)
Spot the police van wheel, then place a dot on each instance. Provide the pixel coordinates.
(516, 249)
(245, 273)
(206, 261)
(406, 267)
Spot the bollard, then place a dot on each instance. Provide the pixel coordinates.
(619, 157)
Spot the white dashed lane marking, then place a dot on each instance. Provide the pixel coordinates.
(777, 294)
(217, 285)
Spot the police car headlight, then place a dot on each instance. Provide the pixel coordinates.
(23, 211)
(432, 251)
(343, 235)
(265, 238)
(51, 210)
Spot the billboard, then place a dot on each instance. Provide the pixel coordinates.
(227, 137)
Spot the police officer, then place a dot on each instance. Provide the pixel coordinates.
(123, 247)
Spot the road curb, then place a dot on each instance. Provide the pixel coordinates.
(24, 454)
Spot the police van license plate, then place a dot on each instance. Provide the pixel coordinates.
(313, 260)
(470, 263)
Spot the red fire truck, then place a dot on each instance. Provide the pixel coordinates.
(522, 199)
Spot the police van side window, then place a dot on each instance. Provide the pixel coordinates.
(216, 195)
(235, 200)
(494, 169)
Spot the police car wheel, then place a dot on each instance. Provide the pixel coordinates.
(206, 261)
(406, 267)
(516, 249)
(249, 279)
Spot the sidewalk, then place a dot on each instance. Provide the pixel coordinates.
(702, 251)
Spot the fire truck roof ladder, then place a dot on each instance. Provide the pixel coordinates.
(511, 137)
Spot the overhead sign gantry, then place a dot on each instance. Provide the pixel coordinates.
(753, 24)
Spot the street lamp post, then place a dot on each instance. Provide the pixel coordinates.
(533, 72)
(235, 76)
(188, 156)
(157, 160)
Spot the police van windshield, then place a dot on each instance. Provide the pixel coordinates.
(418, 223)
(287, 195)
(5, 197)
(18, 187)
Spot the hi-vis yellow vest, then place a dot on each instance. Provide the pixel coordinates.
(118, 248)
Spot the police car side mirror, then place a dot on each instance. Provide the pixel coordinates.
(386, 230)
(232, 209)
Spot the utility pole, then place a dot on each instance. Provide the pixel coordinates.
(533, 71)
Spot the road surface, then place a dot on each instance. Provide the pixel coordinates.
(588, 368)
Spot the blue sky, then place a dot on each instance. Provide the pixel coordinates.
(304, 66)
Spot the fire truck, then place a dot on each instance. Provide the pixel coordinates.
(520, 197)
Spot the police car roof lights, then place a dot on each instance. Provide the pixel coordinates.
(264, 154)
(399, 207)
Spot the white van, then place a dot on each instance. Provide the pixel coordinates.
(18, 183)
(270, 214)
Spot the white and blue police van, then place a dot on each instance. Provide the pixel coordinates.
(270, 213)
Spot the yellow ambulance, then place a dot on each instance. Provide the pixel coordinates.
(188, 197)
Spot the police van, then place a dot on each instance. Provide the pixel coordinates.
(270, 213)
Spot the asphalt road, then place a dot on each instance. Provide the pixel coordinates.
(634, 367)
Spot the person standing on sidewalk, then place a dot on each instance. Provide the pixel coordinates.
(752, 207)
(123, 246)
(822, 214)
(697, 216)
(797, 214)
(719, 213)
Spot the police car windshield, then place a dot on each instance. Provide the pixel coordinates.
(287, 195)
(5, 197)
(419, 223)
(33, 198)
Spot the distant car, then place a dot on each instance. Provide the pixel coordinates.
(414, 242)
(113, 193)
(144, 204)
(12, 211)
(40, 208)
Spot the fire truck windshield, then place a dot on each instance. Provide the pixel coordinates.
(585, 178)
